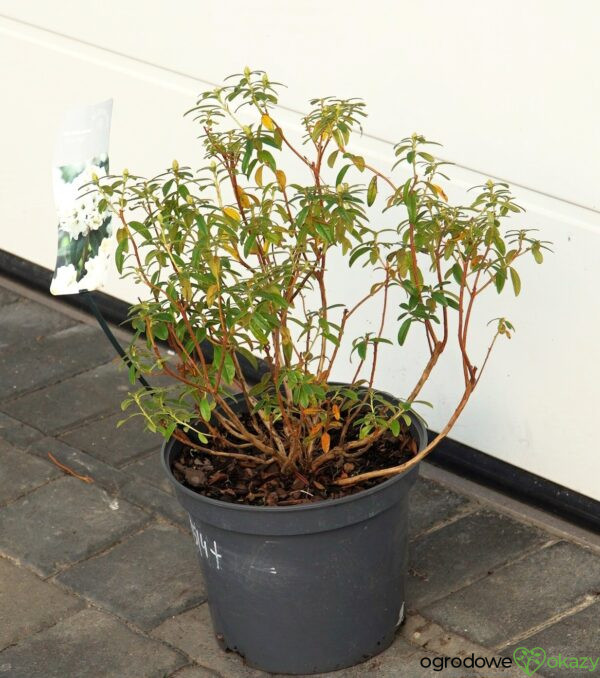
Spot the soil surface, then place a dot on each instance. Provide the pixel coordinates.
(262, 484)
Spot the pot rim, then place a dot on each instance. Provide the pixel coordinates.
(417, 424)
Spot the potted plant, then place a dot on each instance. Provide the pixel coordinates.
(297, 485)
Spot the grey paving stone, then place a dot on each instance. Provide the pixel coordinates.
(20, 472)
(193, 672)
(16, 433)
(52, 358)
(25, 321)
(64, 521)
(63, 405)
(431, 503)
(115, 446)
(150, 468)
(401, 660)
(7, 296)
(574, 636)
(192, 632)
(90, 644)
(107, 477)
(28, 604)
(145, 579)
(520, 596)
(444, 560)
(434, 638)
(150, 498)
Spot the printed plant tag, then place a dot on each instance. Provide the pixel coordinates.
(86, 242)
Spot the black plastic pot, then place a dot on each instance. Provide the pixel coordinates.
(308, 588)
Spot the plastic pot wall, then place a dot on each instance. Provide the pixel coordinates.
(307, 588)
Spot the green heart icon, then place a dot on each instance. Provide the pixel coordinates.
(528, 660)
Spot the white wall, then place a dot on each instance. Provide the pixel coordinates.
(511, 89)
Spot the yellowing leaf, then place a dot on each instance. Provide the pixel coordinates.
(211, 293)
(215, 266)
(267, 122)
(516, 281)
(325, 442)
(231, 250)
(359, 162)
(310, 410)
(336, 412)
(440, 192)
(232, 213)
(281, 179)
(258, 176)
(372, 191)
(243, 198)
(186, 288)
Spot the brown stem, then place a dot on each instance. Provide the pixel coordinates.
(393, 470)
(182, 437)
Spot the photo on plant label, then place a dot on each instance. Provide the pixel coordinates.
(85, 236)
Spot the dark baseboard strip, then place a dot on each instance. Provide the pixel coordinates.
(114, 310)
(450, 454)
(39, 278)
(516, 482)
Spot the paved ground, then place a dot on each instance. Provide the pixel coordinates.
(101, 579)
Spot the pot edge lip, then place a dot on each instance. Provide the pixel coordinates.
(272, 510)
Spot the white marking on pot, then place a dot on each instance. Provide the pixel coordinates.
(215, 551)
(202, 546)
(269, 570)
(400, 616)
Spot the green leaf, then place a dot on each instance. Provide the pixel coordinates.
(247, 155)
(131, 374)
(394, 427)
(160, 330)
(403, 331)
(205, 409)
(332, 158)
(499, 280)
(457, 273)
(267, 159)
(323, 232)
(516, 281)
(411, 206)
(228, 369)
(358, 252)
(140, 228)
(440, 298)
(249, 244)
(120, 254)
(537, 254)
(361, 349)
(342, 174)
(372, 191)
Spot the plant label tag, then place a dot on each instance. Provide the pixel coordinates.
(86, 242)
